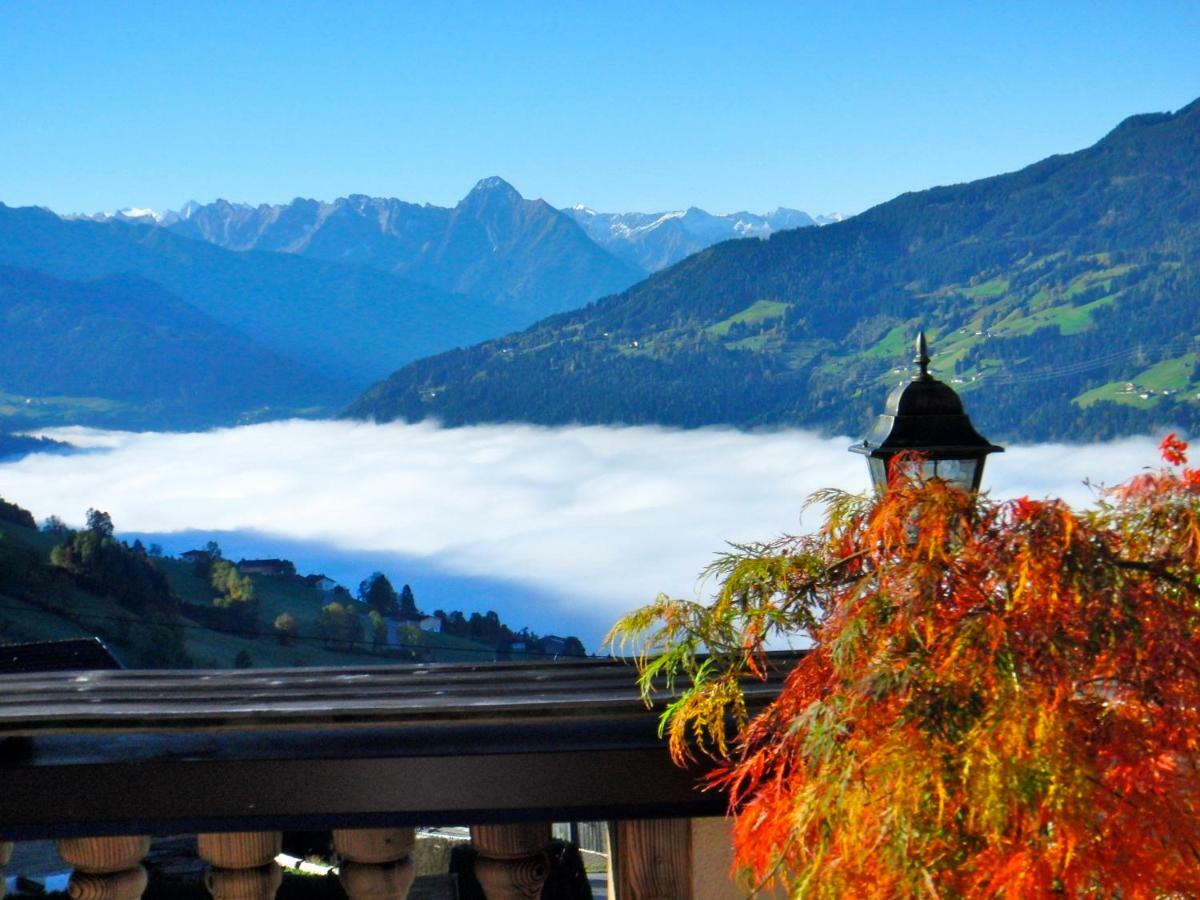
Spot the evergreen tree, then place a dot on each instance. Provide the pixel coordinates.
(377, 592)
(53, 525)
(100, 522)
(408, 604)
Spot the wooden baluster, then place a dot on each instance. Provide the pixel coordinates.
(242, 864)
(655, 859)
(376, 862)
(6, 849)
(105, 868)
(512, 863)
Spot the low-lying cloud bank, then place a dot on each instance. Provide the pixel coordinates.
(600, 519)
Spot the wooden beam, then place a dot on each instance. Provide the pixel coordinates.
(271, 699)
(183, 785)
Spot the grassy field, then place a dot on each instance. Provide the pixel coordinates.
(987, 290)
(1169, 375)
(892, 345)
(1067, 318)
(1016, 305)
(1081, 283)
(22, 621)
(759, 311)
(24, 411)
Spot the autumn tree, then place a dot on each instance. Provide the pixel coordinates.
(285, 628)
(235, 596)
(378, 627)
(234, 587)
(339, 626)
(1001, 699)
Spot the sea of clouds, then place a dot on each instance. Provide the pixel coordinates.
(565, 528)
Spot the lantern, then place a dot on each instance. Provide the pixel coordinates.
(926, 416)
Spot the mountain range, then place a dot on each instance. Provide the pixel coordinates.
(226, 312)
(1061, 300)
(441, 246)
(520, 254)
(654, 241)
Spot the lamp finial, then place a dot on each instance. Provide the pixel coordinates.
(922, 357)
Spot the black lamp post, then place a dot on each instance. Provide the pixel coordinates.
(926, 416)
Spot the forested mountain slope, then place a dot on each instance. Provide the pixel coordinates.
(1062, 299)
(121, 350)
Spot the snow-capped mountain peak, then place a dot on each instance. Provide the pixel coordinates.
(657, 240)
(135, 212)
(136, 215)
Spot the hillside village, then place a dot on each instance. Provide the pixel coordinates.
(200, 610)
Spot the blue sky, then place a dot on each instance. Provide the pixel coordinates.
(623, 106)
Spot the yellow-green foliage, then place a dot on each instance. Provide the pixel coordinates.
(234, 587)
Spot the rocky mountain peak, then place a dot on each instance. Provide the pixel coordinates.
(495, 186)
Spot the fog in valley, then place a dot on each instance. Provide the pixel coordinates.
(559, 529)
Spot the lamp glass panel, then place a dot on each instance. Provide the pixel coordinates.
(957, 471)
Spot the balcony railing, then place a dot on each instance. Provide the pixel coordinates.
(101, 761)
